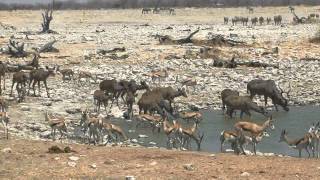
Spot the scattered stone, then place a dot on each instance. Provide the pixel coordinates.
(47, 103)
(7, 150)
(212, 155)
(142, 136)
(74, 158)
(245, 174)
(25, 108)
(93, 166)
(72, 164)
(109, 162)
(73, 110)
(130, 178)
(152, 143)
(153, 163)
(189, 167)
(57, 158)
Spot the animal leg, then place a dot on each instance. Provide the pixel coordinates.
(39, 88)
(12, 88)
(45, 84)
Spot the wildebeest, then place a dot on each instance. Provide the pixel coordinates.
(261, 20)
(226, 20)
(268, 89)
(254, 21)
(225, 93)
(146, 10)
(242, 103)
(277, 20)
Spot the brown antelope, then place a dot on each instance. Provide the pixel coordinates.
(189, 83)
(299, 144)
(314, 136)
(233, 138)
(154, 120)
(158, 75)
(185, 134)
(195, 116)
(38, 75)
(170, 131)
(66, 73)
(93, 124)
(85, 75)
(112, 129)
(99, 98)
(254, 129)
(20, 78)
(3, 70)
(56, 123)
(5, 120)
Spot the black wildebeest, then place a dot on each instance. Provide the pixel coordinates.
(244, 104)
(268, 89)
(225, 93)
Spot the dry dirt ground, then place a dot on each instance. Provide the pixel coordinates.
(30, 160)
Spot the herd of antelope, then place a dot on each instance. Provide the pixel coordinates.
(157, 110)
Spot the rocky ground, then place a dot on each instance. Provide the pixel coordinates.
(25, 159)
(82, 34)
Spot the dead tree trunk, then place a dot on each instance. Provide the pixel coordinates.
(16, 49)
(48, 47)
(47, 18)
(298, 20)
(170, 40)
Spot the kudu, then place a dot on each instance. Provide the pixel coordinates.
(99, 98)
(225, 93)
(20, 78)
(244, 104)
(268, 89)
(38, 75)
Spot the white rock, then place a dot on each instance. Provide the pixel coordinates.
(25, 108)
(130, 178)
(72, 164)
(245, 174)
(74, 158)
(94, 166)
(7, 150)
(189, 167)
(153, 163)
(142, 136)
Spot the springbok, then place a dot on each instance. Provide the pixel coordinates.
(112, 129)
(195, 116)
(299, 144)
(162, 74)
(186, 134)
(254, 129)
(170, 131)
(5, 120)
(154, 120)
(189, 83)
(233, 138)
(56, 123)
(314, 137)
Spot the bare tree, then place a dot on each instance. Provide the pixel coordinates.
(47, 18)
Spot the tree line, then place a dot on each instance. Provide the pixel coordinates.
(108, 4)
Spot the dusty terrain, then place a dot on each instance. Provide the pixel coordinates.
(83, 33)
(29, 159)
